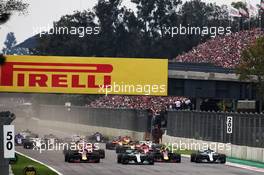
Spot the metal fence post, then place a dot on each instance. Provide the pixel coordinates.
(5, 119)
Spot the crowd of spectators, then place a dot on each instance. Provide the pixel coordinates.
(153, 103)
(222, 51)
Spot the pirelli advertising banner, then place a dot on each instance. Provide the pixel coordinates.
(84, 75)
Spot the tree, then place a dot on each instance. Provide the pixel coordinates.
(252, 67)
(7, 7)
(109, 15)
(69, 44)
(239, 5)
(154, 16)
(9, 43)
(140, 33)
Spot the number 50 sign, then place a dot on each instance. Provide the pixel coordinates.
(9, 139)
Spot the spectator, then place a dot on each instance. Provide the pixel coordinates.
(151, 103)
(223, 51)
(178, 104)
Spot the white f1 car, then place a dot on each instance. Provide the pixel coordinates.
(208, 156)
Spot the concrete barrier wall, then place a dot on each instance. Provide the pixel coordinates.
(127, 119)
(231, 150)
(247, 128)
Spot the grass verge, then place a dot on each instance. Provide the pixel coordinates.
(22, 162)
(246, 162)
(187, 152)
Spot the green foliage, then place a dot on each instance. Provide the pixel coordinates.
(240, 4)
(125, 33)
(9, 43)
(252, 66)
(22, 162)
(7, 7)
(184, 152)
(252, 62)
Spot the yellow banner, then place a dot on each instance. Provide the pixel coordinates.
(84, 75)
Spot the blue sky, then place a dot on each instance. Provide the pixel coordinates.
(44, 12)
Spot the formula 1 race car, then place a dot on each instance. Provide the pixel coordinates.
(135, 156)
(31, 140)
(21, 137)
(30, 143)
(101, 152)
(97, 137)
(72, 156)
(118, 141)
(51, 139)
(208, 156)
(95, 149)
(161, 154)
(134, 145)
(82, 154)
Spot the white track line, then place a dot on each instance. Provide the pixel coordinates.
(10, 170)
(251, 168)
(40, 163)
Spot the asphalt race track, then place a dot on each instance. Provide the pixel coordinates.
(109, 166)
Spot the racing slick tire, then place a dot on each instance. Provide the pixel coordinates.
(97, 157)
(198, 159)
(101, 153)
(222, 159)
(176, 157)
(124, 160)
(28, 145)
(66, 157)
(193, 157)
(119, 158)
(97, 160)
(151, 160)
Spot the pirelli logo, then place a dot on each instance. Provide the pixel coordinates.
(54, 75)
(75, 74)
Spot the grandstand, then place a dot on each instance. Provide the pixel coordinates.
(206, 75)
(223, 51)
